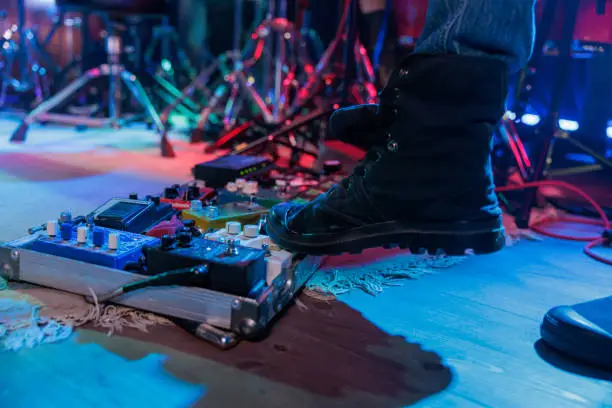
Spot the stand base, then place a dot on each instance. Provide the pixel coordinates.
(42, 112)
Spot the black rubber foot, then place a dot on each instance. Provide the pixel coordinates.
(19, 135)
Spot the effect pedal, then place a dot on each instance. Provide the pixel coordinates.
(181, 196)
(132, 215)
(277, 259)
(230, 268)
(242, 190)
(224, 169)
(97, 245)
(216, 216)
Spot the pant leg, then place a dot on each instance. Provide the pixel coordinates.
(502, 29)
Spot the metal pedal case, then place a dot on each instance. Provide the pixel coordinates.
(222, 319)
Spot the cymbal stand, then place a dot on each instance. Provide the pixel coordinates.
(169, 66)
(216, 92)
(356, 78)
(550, 130)
(289, 59)
(356, 85)
(117, 75)
(238, 85)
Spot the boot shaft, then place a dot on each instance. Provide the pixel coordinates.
(444, 110)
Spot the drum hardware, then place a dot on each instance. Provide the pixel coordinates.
(24, 61)
(302, 132)
(531, 172)
(275, 46)
(117, 74)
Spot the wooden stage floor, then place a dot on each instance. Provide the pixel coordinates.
(466, 337)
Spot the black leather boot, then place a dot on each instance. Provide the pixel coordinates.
(427, 184)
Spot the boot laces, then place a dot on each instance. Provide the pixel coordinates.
(386, 113)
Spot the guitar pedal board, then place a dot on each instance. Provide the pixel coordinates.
(244, 279)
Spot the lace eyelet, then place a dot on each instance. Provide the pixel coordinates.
(392, 146)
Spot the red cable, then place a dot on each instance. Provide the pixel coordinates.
(537, 226)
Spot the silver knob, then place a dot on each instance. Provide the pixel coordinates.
(232, 249)
(212, 211)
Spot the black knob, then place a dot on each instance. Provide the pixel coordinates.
(171, 193)
(193, 193)
(167, 241)
(181, 229)
(133, 196)
(189, 223)
(183, 238)
(155, 200)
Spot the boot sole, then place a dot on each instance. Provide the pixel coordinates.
(453, 239)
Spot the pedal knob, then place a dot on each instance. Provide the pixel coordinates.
(233, 227)
(183, 238)
(171, 193)
(52, 228)
(189, 224)
(66, 231)
(113, 241)
(82, 234)
(167, 241)
(98, 237)
(155, 200)
(240, 182)
(251, 188)
(251, 231)
(195, 205)
(231, 187)
(65, 217)
(212, 212)
(193, 192)
(232, 247)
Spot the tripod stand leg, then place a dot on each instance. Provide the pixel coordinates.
(198, 83)
(197, 134)
(136, 89)
(19, 135)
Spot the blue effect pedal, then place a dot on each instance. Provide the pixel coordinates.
(103, 246)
